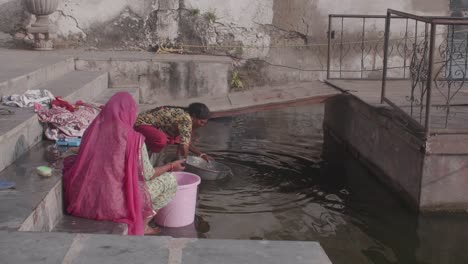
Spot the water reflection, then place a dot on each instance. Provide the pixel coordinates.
(443, 239)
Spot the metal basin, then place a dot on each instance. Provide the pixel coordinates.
(212, 170)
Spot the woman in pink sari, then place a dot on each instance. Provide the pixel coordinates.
(110, 178)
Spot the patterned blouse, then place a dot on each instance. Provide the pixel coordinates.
(173, 121)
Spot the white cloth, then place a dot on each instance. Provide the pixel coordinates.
(43, 97)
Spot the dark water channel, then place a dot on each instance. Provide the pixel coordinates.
(287, 184)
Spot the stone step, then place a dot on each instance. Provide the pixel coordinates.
(29, 248)
(22, 130)
(20, 71)
(79, 85)
(257, 98)
(161, 78)
(108, 93)
(71, 224)
(38, 202)
(35, 204)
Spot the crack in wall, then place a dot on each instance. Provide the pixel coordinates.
(77, 24)
(280, 30)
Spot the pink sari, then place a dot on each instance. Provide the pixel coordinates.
(104, 181)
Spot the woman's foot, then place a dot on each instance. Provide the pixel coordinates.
(152, 230)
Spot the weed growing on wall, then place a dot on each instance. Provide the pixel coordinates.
(238, 51)
(236, 81)
(195, 12)
(211, 16)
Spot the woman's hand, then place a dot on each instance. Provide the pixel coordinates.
(206, 157)
(178, 165)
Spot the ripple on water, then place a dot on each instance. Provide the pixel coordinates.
(281, 189)
(263, 183)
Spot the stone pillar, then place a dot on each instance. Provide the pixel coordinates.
(42, 30)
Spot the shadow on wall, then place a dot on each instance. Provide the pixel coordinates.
(21, 146)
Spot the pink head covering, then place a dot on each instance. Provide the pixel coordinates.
(104, 181)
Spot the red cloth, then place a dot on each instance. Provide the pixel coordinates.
(104, 181)
(156, 139)
(59, 102)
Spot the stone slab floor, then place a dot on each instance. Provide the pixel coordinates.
(26, 247)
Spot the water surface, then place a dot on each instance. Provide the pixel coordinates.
(288, 185)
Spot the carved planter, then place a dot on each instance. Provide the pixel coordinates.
(42, 29)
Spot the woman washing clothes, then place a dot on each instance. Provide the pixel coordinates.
(111, 177)
(173, 125)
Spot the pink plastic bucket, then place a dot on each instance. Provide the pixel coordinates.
(181, 210)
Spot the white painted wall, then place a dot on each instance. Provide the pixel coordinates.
(244, 19)
(242, 13)
(87, 12)
(247, 23)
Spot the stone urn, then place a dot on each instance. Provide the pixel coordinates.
(42, 29)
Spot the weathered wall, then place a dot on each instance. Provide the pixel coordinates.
(379, 142)
(281, 31)
(161, 78)
(430, 175)
(445, 182)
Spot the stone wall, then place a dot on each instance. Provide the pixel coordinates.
(161, 78)
(384, 145)
(430, 175)
(278, 34)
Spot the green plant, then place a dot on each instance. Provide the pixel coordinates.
(195, 12)
(239, 51)
(236, 81)
(211, 16)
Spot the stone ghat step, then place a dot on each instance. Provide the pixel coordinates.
(161, 77)
(25, 248)
(36, 204)
(108, 93)
(257, 99)
(22, 130)
(23, 70)
(71, 224)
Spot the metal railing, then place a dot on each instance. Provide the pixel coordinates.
(355, 47)
(434, 97)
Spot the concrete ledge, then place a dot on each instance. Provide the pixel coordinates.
(71, 224)
(445, 183)
(148, 56)
(69, 248)
(261, 98)
(383, 144)
(447, 144)
(430, 175)
(164, 80)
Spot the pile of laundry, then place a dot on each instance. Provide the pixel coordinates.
(61, 118)
(64, 119)
(29, 98)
